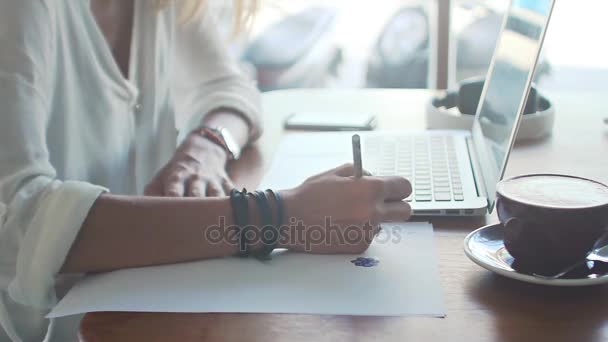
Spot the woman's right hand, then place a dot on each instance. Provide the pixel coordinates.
(336, 213)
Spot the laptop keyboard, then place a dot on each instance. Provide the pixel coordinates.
(429, 162)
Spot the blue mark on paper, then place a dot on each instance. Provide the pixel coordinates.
(365, 262)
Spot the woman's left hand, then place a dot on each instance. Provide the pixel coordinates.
(198, 169)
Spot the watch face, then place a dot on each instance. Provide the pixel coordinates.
(231, 144)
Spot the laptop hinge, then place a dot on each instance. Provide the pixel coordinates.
(477, 174)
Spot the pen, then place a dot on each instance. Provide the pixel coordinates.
(357, 156)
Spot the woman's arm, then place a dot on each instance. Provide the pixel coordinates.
(210, 90)
(207, 79)
(123, 232)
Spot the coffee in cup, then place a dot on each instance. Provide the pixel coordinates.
(551, 221)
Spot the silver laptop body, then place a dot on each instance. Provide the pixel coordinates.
(454, 173)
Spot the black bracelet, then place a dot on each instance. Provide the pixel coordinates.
(280, 211)
(240, 215)
(269, 232)
(280, 208)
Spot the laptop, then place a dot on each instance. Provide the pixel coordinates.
(453, 172)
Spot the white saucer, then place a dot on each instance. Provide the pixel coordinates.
(486, 248)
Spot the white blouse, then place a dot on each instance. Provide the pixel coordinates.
(72, 127)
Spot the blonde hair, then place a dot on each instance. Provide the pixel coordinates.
(244, 11)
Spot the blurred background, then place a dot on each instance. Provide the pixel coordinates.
(411, 43)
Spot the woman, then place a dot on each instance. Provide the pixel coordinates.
(94, 95)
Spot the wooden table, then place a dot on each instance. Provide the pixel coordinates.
(480, 306)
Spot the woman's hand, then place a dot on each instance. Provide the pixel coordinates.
(198, 169)
(334, 212)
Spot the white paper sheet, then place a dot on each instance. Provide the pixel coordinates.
(405, 282)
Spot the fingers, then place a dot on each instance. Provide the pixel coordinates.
(396, 188)
(214, 189)
(174, 187)
(187, 176)
(200, 187)
(227, 185)
(155, 188)
(395, 212)
(197, 187)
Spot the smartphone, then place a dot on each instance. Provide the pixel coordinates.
(330, 121)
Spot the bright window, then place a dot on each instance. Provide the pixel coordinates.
(391, 43)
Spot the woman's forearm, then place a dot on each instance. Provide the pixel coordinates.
(123, 232)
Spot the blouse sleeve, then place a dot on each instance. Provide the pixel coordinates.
(207, 78)
(40, 215)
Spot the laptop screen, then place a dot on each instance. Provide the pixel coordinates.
(507, 86)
